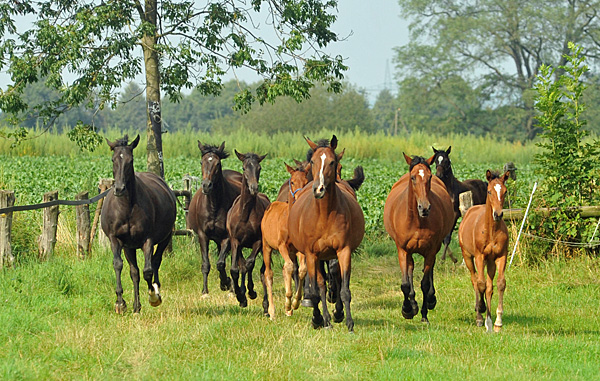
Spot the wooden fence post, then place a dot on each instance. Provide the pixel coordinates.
(83, 226)
(7, 199)
(47, 240)
(465, 202)
(103, 185)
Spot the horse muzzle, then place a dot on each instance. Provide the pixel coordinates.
(424, 209)
(207, 186)
(120, 190)
(318, 190)
(498, 216)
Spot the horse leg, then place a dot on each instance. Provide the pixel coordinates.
(409, 307)
(344, 259)
(469, 262)
(501, 283)
(250, 262)
(225, 280)
(489, 291)
(480, 287)
(447, 250)
(154, 292)
(203, 241)
(267, 278)
(120, 305)
(134, 272)
(288, 271)
(334, 278)
(300, 264)
(429, 300)
(311, 293)
(236, 253)
(322, 284)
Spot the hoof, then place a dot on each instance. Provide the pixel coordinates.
(318, 322)
(154, 296)
(295, 303)
(307, 303)
(424, 320)
(205, 295)
(252, 294)
(431, 302)
(243, 301)
(226, 285)
(120, 308)
(497, 328)
(289, 313)
(338, 317)
(410, 313)
(479, 322)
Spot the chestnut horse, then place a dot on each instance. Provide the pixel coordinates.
(275, 236)
(418, 215)
(207, 215)
(325, 224)
(483, 238)
(138, 212)
(455, 187)
(243, 226)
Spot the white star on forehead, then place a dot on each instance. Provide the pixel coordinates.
(498, 188)
(421, 173)
(210, 158)
(121, 155)
(440, 159)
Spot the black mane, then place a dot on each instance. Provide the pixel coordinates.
(210, 148)
(418, 160)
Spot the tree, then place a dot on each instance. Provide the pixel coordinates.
(384, 113)
(89, 46)
(496, 46)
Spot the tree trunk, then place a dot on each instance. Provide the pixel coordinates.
(154, 121)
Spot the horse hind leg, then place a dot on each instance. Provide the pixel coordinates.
(225, 281)
(300, 265)
(427, 288)
(250, 262)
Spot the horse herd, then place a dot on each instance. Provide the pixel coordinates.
(315, 222)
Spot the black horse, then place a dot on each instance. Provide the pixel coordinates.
(243, 225)
(139, 212)
(455, 187)
(207, 215)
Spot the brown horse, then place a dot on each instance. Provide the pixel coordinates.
(418, 215)
(483, 238)
(243, 226)
(138, 213)
(208, 209)
(325, 224)
(455, 187)
(275, 236)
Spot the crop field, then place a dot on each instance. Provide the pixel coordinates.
(58, 321)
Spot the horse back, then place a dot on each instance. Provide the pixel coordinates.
(478, 189)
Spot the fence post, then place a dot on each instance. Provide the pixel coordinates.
(83, 225)
(47, 240)
(103, 185)
(465, 202)
(7, 199)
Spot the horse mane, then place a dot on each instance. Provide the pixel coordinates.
(320, 143)
(416, 160)
(495, 175)
(122, 142)
(211, 148)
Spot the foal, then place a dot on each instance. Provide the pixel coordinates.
(483, 238)
(274, 227)
(243, 226)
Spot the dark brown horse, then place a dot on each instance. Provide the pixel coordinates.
(243, 226)
(275, 236)
(207, 214)
(418, 215)
(483, 238)
(138, 213)
(326, 223)
(455, 187)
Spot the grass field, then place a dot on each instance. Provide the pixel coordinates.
(58, 322)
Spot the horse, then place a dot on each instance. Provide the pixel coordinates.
(207, 214)
(275, 236)
(243, 225)
(418, 214)
(455, 187)
(483, 238)
(138, 213)
(326, 222)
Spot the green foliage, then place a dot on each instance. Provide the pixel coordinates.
(567, 164)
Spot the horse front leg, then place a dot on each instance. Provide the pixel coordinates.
(250, 262)
(489, 291)
(407, 265)
(300, 264)
(501, 283)
(203, 241)
(344, 259)
(288, 274)
(236, 268)
(134, 273)
(154, 291)
(225, 280)
(429, 299)
(480, 287)
(120, 305)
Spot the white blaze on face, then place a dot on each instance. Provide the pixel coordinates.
(422, 173)
(210, 158)
(321, 177)
(498, 188)
(121, 155)
(440, 159)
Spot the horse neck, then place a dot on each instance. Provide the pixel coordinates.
(131, 196)
(490, 224)
(448, 179)
(214, 198)
(329, 200)
(247, 200)
(411, 205)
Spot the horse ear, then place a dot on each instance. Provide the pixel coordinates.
(506, 176)
(407, 158)
(448, 150)
(110, 144)
(135, 142)
(240, 156)
(434, 150)
(289, 169)
(341, 154)
(430, 160)
(488, 175)
(299, 164)
(311, 143)
(222, 147)
(261, 158)
(334, 142)
(200, 146)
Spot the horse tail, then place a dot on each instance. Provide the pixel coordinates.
(358, 179)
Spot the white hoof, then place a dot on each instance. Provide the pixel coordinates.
(488, 324)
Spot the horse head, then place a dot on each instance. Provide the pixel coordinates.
(251, 173)
(324, 163)
(122, 158)
(211, 164)
(496, 191)
(298, 177)
(420, 181)
(443, 165)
